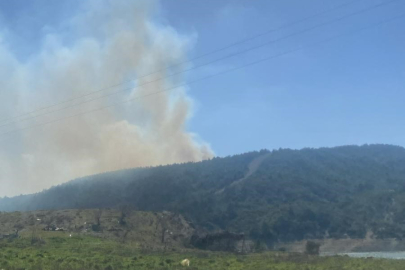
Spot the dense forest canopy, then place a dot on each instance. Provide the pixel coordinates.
(280, 195)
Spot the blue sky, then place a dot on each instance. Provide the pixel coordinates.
(347, 91)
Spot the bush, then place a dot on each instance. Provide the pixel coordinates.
(312, 248)
(96, 228)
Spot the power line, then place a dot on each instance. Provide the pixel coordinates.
(214, 75)
(209, 63)
(192, 59)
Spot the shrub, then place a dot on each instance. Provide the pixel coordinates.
(312, 248)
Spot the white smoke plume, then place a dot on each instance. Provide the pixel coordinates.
(107, 43)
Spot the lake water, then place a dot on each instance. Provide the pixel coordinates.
(385, 255)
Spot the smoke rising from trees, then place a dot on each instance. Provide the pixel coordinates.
(108, 42)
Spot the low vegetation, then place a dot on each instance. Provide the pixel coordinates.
(58, 251)
(145, 229)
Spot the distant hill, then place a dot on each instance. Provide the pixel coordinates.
(281, 195)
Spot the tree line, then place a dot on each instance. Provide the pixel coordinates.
(320, 193)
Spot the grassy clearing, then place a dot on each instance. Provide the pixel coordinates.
(60, 252)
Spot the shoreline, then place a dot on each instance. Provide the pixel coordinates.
(342, 246)
(392, 255)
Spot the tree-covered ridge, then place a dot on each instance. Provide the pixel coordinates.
(316, 193)
(149, 188)
(293, 194)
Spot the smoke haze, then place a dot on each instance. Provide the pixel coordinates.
(106, 43)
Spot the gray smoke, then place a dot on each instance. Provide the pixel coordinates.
(108, 42)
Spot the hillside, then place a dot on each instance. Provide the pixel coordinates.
(144, 230)
(282, 195)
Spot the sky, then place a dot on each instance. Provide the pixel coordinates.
(348, 90)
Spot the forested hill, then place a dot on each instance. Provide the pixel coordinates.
(281, 195)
